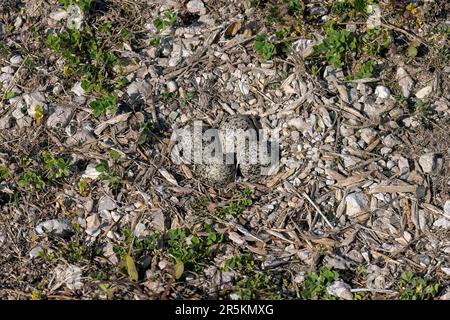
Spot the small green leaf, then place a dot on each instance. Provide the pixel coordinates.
(102, 166)
(131, 268)
(264, 47)
(4, 174)
(412, 51)
(103, 105)
(9, 95)
(155, 41)
(38, 113)
(179, 269)
(114, 154)
(83, 186)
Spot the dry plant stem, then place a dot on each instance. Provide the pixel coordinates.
(317, 209)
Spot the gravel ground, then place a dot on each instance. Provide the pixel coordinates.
(354, 93)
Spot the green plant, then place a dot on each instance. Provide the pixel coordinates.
(240, 263)
(350, 8)
(74, 251)
(9, 95)
(120, 251)
(47, 255)
(38, 113)
(336, 45)
(30, 180)
(127, 36)
(106, 174)
(265, 48)
(4, 173)
(295, 6)
(212, 237)
(147, 129)
(87, 58)
(168, 19)
(366, 70)
(105, 27)
(104, 104)
(155, 41)
(85, 5)
(284, 44)
(422, 108)
(190, 95)
(55, 167)
(356, 52)
(114, 154)
(188, 251)
(414, 287)
(4, 50)
(238, 206)
(83, 186)
(167, 97)
(137, 247)
(373, 41)
(25, 161)
(273, 16)
(316, 283)
(99, 275)
(251, 287)
(180, 251)
(148, 244)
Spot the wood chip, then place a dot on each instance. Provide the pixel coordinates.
(120, 118)
(353, 180)
(393, 189)
(170, 178)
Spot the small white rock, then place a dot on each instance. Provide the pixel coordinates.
(34, 100)
(60, 117)
(92, 225)
(196, 6)
(403, 165)
(447, 208)
(5, 78)
(18, 22)
(55, 226)
(69, 275)
(356, 203)
(446, 295)
(7, 69)
(106, 203)
(391, 141)
(5, 122)
(91, 172)
(16, 60)
(340, 289)
(390, 164)
(36, 252)
(385, 150)
(442, 223)
(176, 55)
(75, 17)
(446, 270)
(172, 86)
(364, 89)
(58, 15)
(424, 92)
(140, 230)
(382, 92)
(405, 82)
(243, 87)
(78, 89)
(428, 162)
